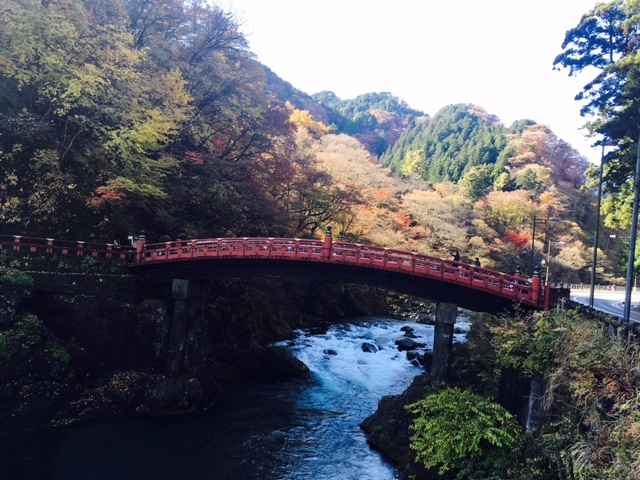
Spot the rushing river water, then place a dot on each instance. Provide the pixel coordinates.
(302, 429)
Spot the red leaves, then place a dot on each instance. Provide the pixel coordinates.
(194, 158)
(109, 194)
(519, 239)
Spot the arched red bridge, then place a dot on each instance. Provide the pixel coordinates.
(470, 287)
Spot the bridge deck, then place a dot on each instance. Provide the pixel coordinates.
(144, 258)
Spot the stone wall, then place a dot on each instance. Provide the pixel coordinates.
(126, 288)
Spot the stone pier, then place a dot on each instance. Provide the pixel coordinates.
(189, 304)
(446, 314)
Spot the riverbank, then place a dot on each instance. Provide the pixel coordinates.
(65, 359)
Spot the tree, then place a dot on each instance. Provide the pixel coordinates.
(84, 116)
(458, 138)
(605, 41)
(477, 182)
(455, 428)
(503, 211)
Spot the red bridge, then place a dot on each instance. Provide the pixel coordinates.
(470, 287)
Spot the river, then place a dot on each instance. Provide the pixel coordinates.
(291, 430)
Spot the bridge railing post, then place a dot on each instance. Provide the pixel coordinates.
(536, 285)
(547, 297)
(140, 246)
(327, 245)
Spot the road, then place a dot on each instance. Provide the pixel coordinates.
(609, 302)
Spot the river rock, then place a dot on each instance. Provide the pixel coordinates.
(169, 395)
(368, 347)
(388, 428)
(405, 344)
(277, 363)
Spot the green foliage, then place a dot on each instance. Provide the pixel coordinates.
(90, 264)
(526, 343)
(6, 348)
(27, 334)
(15, 277)
(592, 400)
(456, 429)
(477, 182)
(30, 330)
(604, 44)
(376, 119)
(58, 351)
(458, 138)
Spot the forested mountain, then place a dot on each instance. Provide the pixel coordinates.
(445, 147)
(127, 115)
(376, 119)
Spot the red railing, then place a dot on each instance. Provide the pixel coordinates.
(518, 289)
(515, 288)
(51, 246)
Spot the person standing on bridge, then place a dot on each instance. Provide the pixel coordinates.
(477, 262)
(456, 256)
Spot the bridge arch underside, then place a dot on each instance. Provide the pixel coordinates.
(423, 287)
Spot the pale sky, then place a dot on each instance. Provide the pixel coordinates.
(494, 53)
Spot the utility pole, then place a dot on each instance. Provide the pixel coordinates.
(632, 240)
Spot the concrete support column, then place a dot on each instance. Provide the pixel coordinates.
(446, 314)
(189, 303)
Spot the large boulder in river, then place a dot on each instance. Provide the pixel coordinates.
(368, 347)
(275, 362)
(406, 343)
(388, 430)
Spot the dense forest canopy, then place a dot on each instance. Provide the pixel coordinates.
(127, 115)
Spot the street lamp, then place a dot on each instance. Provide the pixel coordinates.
(549, 258)
(604, 143)
(537, 220)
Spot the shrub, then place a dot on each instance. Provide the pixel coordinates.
(6, 347)
(526, 343)
(58, 351)
(457, 429)
(90, 264)
(16, 278)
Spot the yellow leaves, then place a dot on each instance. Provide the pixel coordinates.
(86, 82)
(411, 163)
(145, 136)
(522, 159)
(10, 179)
(547, 198)
(303, 119)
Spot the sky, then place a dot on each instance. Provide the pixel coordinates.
(497, 54)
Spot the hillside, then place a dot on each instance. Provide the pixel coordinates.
(164, 121)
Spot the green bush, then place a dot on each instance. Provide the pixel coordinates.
(16, 278)
(526, 343)
(30, 330)
(58, 351)
(6, 347)
(459, 430)
(90, 264)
